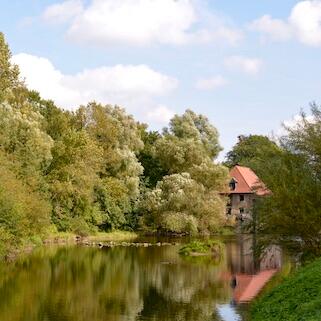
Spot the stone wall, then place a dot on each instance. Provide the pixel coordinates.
(240, 205)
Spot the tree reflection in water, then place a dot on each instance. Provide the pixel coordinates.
(116, 284)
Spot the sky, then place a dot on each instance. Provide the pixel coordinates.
(247, 65)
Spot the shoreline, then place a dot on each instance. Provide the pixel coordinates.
(101, 239)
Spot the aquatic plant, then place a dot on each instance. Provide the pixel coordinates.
(198, 248)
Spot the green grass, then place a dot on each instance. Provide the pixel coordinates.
(298, 298)
(210, 247)
(115, 236)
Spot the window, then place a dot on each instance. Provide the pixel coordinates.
(232, 184)
(241, 210)
(242, 198)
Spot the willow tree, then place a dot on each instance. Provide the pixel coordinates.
(187, 199)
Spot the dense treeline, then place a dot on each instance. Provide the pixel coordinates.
(99, 169)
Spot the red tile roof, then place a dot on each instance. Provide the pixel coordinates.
(247, 181)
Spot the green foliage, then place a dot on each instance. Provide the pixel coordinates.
(252, 151)
(99, 169)
(187, 199)
(56, 122)
(198, 128)
(153, 170)
(25, 154)
(112, 198)
(190, 140)
(175, 222)
(180, 204)
(72, 176)
(212, 176)
(23, 213)
(22, 137)
(291, 214)
(297, 298)
(210, 247)
(8, 72)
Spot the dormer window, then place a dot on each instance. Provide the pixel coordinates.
(232, 184)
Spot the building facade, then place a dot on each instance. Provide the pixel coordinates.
(244, 187)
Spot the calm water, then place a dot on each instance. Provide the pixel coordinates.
(127, 284)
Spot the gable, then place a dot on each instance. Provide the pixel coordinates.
(247, 181)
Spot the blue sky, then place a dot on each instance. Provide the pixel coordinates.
(247, 65)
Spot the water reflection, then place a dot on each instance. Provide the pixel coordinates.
(250, 272)
(124, 284)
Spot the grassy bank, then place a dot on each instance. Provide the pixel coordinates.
(297, 298)
(115, 236)
(14, 251)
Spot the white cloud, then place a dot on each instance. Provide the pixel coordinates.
(296, 120)
(277, 29)
(244, 64)
(211, 83)
(292, 123)
(62, 12)
(160, 115)
(130, 86)
(305, 20)
(303, 23)
(140, 22)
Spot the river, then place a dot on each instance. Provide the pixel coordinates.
(77, 283)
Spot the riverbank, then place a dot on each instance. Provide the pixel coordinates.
(298, 297)
(114, 236)
(62, 238)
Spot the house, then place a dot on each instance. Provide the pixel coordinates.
(244, 187)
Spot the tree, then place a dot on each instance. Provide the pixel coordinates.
(305, 138)
(153, 170)
(8, 72)
(251, 151)
(118, 134)
(291, 213)
(190, 140)
(56, 122)
(24, 213)
(198, 128)
(180, 204)
(188, 198)
(73, 175)
(26, 144)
